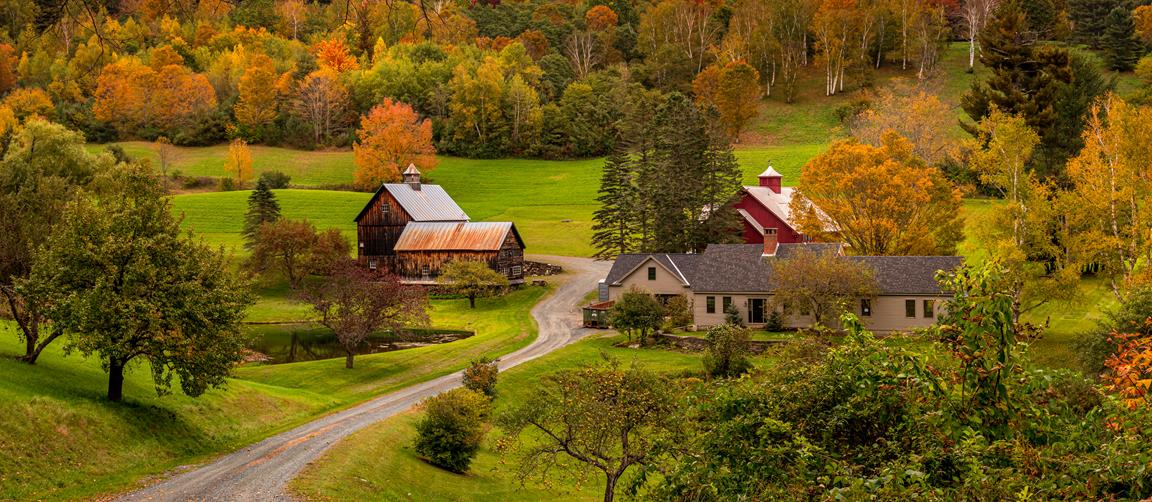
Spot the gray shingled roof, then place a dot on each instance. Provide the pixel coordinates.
(787, 250)
(683, 265)
(742, 268)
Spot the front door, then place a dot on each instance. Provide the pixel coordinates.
(756, 310)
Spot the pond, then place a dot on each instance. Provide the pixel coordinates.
(289, 343)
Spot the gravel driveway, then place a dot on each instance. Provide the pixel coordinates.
(262, 470)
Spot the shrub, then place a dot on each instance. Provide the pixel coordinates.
(728, 354)
(1134, 315)
(449, 434)
(775, 321)
(275, 179)
(678, 312)
(732, 316)
(119, 154)
(226, 184)
(480, 376)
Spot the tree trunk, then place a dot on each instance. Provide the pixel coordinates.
(115, 381)
(610, 488)
(348, 359)
(472, 300)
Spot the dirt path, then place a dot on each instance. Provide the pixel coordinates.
(262, 470)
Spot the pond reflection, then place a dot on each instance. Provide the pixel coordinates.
(289, 343)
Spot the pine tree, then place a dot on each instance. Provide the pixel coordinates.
(1088, 18)
(1121, 47)
(1071, 108)
(720, 184)
(615, 229)
(262, 208)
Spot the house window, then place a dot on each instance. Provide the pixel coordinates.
(866, 307)
(372, 263)
(517, 271)
(710, 303)
(929, 309)
(909, 308)
(651, 273)
(726, 302)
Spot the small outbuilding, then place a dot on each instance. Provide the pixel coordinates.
(596, 315)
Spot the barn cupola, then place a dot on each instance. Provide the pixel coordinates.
(771, 179)
(412, 177)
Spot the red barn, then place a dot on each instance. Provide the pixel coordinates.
(766, 208)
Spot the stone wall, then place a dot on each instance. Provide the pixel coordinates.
(535, 268)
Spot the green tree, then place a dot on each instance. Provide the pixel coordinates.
(824, 284)
(727, 351)
(452, 429)
(44, 167)
(605, 418)
(614, 231)
(262, 208)
(472, 279)
(295, 249)
(481, 375)
(1089, 20)
(122, 279)
(1121, 47)
(636, 311)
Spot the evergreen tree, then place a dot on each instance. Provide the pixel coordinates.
(262, 208)
(675, 174)
(1071, 107)
(1088, 18)
(615, 229)
(1121, 47)
(1025, 79)
(721, 185)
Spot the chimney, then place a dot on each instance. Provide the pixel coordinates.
(771, 179)
(771, 242)
(412, 177)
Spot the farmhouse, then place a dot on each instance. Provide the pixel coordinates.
(740, 275)
(767, 207)
(413, 229)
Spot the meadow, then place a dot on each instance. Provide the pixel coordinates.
(59, 438)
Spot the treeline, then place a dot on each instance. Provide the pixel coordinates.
(533, 78)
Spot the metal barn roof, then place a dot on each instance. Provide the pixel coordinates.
(455, 236)
(427, 203)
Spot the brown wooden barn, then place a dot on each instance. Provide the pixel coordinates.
(412, 229)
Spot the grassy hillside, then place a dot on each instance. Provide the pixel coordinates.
(59, 439)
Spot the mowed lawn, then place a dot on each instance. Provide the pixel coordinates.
(379, 463)
(59, 438)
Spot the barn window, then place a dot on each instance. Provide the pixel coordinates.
(909, 308)
(866, 307)
(425, 271)
(372, 263)
(384, 208)
(711, 303)
(929, 311)
(517, 271)
(651, 273)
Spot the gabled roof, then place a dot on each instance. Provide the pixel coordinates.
(456, 236)
(428, 203)
(680, 265)
(778, 203)
(742, 268)
(770, 173)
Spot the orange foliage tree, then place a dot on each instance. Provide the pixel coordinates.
(8, 62)
(333, 55)
(880, 200)
(391, 136)
(734, 90)
(1130, 368)
(130, 95)
(30, 102)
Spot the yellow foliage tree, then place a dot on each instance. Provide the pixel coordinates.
(391, 136)
(239, 162)
(880, 200)
(258, 92)
(30, 102)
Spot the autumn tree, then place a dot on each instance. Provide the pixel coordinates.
(920, 117)
(392, 137)
(675, 37)
(834, 23)
(258, 101)
(355, 302)
(472, 279)
(239, 162)
(823, 283)
(124, 281)
(295, 249)
(8, 75)
(1024, 232)
(333, 55)
(44, 169)
(321, 101)
(1111, 207)
(605, 419)
(734, 90)
(292, 13)
(879, 200)
(165, 154)
(30, 102)
(975, 15)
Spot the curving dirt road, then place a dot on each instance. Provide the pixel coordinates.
(261, 471)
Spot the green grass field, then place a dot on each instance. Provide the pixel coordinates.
(379, 462)
(60, 440)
